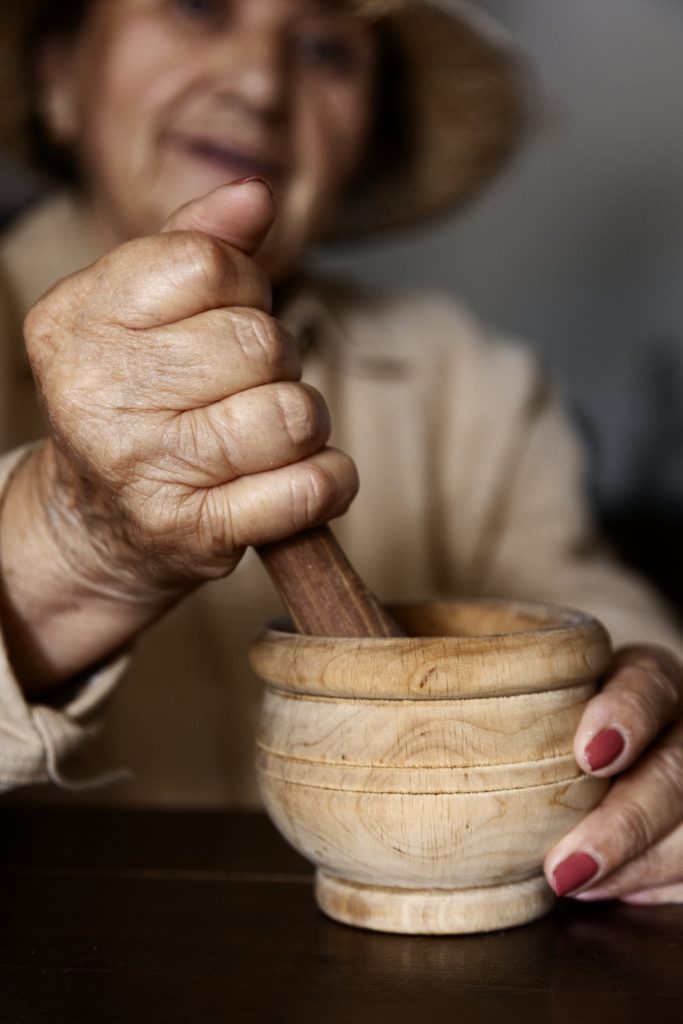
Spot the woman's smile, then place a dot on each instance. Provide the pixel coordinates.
(229, 158)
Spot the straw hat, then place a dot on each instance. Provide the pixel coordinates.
(463, 105)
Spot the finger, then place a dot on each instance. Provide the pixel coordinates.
(203, 532)
(643, 806)
(240, 214)
(641, 697)
(252, 432)
(213, 355)
(161, 279)
(277, 504)
(661, 865)
(652, 897)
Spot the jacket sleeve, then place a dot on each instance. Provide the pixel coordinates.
(540, 542)
(43, 741)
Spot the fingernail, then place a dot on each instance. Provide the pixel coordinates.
(253, 177)
(604, 748)
(574, 872)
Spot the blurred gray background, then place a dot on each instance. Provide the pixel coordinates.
(579, 248)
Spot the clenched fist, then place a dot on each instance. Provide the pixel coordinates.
(180, 431)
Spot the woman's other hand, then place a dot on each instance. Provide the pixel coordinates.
(631, 846)
(180, 433)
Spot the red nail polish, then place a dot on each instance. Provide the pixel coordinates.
(253, 177)
(573, 872)
(604, 748)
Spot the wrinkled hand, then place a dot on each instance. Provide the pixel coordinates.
(631, 846)
(180, 430)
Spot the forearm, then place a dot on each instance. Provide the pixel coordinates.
(58, 618)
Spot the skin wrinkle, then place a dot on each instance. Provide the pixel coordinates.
(672, 758)
(68, 520)
(135, 302)
(201, 262)
(190, 457)
(303, 417)
(224, 433)
(660, 863)
(649, 862)
(643, 708)
(663, 668)
(216, 328)
(98, 521)
(317, 498)
(655, 679)
(224, 538)
(670, 691)
(631, 820)
(265, 341)
(666, 767)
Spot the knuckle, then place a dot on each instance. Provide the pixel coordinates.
(40, 329)
(664, 686)
(265, 343)
(656, 669)
(224, 436)
(642, 705)
(34, 323)
(634, 697)
(351, 479)
(633, 825)
(303, 414)
(314, 493)
(670, 768)
(215, 528)
(198, 258)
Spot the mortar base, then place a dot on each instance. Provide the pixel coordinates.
(433, 911)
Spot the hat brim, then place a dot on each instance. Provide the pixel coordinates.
(467, 109)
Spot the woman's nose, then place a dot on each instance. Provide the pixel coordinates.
(254, 71)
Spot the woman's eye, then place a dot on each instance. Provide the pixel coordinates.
(328, 52)
(210, 12)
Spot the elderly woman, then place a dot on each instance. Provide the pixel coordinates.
(206, 144)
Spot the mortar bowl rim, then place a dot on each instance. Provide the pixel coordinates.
(551, 647)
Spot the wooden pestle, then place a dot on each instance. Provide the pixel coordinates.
(321, 590)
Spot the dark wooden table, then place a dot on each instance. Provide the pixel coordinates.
(201, 917)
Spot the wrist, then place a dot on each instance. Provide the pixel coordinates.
(67, 598)
(88, 541)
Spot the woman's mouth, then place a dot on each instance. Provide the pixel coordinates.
(234, 163)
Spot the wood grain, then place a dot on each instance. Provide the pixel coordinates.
(321, 590)
(454, 649)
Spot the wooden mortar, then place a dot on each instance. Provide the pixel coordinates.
(426, 776)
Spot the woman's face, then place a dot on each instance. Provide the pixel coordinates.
(167, 99)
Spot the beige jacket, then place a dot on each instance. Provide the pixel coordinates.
(470, 484)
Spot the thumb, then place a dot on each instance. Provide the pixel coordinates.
(240, 213)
